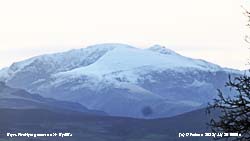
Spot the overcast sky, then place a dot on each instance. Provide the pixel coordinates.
(213, 30)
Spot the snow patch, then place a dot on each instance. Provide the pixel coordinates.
(197, 83)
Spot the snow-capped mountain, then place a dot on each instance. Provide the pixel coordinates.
(121, 80)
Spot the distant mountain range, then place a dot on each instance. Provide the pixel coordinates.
(121, 80)
(19, 99)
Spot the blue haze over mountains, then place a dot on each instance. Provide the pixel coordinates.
(120, 80)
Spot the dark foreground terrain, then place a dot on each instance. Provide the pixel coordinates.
(100, 128)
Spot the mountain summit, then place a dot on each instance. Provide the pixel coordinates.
(120, 79)
(162, 49)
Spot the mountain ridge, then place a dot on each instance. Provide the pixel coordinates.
(122, 80)
(103, 48)
(13, 98)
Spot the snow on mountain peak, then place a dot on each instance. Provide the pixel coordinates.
(128, 62)
(162, 50)
(63, 61)
(71, 57)
(110, 46)
(109, 58)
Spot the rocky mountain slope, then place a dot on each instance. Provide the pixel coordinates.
(11, 98)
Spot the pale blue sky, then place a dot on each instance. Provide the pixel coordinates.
(208, 29)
